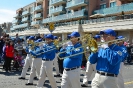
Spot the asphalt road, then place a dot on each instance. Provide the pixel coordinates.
(10, 79)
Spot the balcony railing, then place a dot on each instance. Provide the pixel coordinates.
(25, 13)
(17, 16)
(39, 1)
(56, 2)
(98, 20)
(36, 23)
(38, 8)
(77, 14)
(57, 10)
(20, 26)
(117, 9)
(14, 21)
(11, 29)
(25, 19)
(76, 3)
(38, 16)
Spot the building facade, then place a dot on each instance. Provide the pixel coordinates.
(5, 27)
(75, 15)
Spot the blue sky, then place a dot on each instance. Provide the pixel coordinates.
(8, 8)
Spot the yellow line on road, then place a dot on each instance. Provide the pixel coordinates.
(126, 83)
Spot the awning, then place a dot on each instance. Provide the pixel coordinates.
(97, 15)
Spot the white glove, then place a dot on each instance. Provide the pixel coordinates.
(64, 46)
(30, 50)
(104, 46)
(69, 43)
(87, 48)
(24, 47)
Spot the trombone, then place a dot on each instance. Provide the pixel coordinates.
(93, 46)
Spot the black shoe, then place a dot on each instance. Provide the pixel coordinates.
(57, 75)
(83, 85)
(21, 78)
(35, 78)
(29, 84)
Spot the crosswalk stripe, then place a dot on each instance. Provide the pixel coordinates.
(126, 83)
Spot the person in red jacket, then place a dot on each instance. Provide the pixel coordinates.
(9, 50)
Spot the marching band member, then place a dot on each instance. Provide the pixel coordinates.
(56, 61)
(28, 60)
(90, 68)
(120, 76)
(71, 73)
(36, 64)
(108, 62)
(48, 55)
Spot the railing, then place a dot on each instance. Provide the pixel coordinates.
(75, 14)
(38, 7)
(25, 12)
(14, 21)
(11, 29)
(36, 22)
(38, 15)
(75, 2)
(17, 15)
(116, 9)
(99, 20)
(55, 10)
(39, 0)
(25, 19)
(56, 1)
(20, 26)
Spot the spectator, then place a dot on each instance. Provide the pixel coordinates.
(129, 59)
(9, 50)
(17, 38)
(17, 61)
(1, 47)
(19, 46)
(4, 52)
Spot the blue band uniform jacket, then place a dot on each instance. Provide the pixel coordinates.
(108, 60)
(74, 61)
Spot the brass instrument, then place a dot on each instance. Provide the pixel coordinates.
(56, 43)
(114, 41)
(88, 41)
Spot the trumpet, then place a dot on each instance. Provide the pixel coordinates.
(92, 44)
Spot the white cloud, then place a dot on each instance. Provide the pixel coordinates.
(6, 15)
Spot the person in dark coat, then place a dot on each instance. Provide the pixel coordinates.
(1, 47)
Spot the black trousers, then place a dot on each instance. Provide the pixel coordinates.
(16, 64)
(60, 63)
(8, 63)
